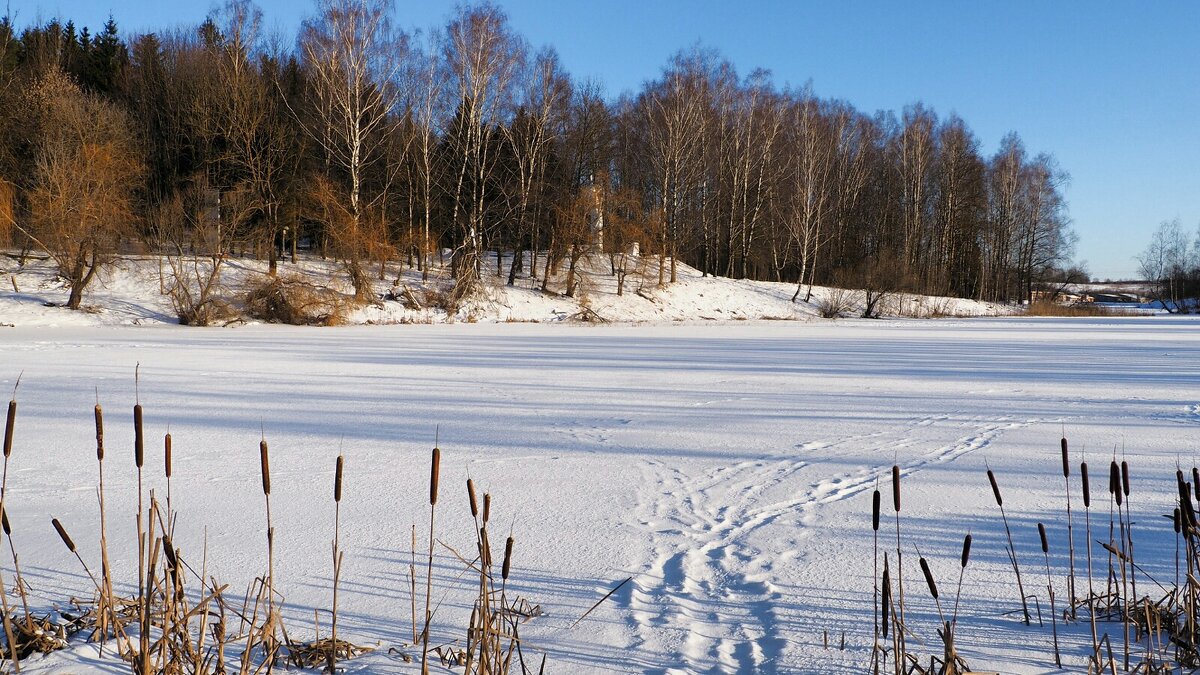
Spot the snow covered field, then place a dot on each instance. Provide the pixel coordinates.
(727, 468)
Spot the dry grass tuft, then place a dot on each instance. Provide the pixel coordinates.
(1045, 308)
(292, 300)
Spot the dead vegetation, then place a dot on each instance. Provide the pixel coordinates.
(1047, 308)
(290, 299)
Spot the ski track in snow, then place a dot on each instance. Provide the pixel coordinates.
(707, 594)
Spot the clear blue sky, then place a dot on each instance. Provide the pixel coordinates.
(1111, 89)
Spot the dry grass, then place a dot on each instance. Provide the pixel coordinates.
(1045, 308)
(291, 300)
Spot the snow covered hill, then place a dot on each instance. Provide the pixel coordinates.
(132, 293)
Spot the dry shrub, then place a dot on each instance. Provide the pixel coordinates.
(1044, 308)
(835, 303)
(292, 300)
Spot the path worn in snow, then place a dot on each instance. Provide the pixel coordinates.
(727, 469)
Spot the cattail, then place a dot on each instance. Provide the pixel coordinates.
(1087, 491)
(966, 553)
(1045, 542)
(1175, 520)
(1065, 463)
(875, 510)
(1196, 479)
(508, 546)
(138, 441)
(995, 488)
(62, 533)
(167, 454)
(887, 598)
(337, 480)
(896, 487)
(99, 433)
(1125, 477)
(1114, 481)
(433, 476)
(264, 462)
(8, 427)
(471, 496)
(929, 578)
(487, 506)
(4, 521)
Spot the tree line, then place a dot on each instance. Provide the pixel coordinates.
(439, 149)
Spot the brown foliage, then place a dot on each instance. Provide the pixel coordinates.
(292, 300)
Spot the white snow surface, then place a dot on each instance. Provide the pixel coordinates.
(727, 468)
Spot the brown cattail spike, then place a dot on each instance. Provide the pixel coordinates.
(337, 479)
(1196, 479)
(471, 497)
(487, 506)
(1114, 481)
(1065, 463)
(929, 578)
(1087, 492)
(886, 600)
(995, 488)
(433, 476)
(508, 546)
(139, 447)
(1175, 519)
(167, 454)
(875, 499)
(8, 427)
(966, 552)
(1125, 477)
(1042, 534)
(264, 461)
(896, 487)
(62, 533)
(99, 433)
(4, 521)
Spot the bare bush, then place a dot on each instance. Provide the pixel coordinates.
(292, 300)
(835, 303)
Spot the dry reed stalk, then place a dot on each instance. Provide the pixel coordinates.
(1129, 531)
(1050, 591)
(1087, 517)
(66, 539)
(434, 470)
(337, 558)
(876, 498)
(1066, 469)
(9, 426)
(167, 472)
(143, 543)
(270, 643)
(1115, 485)
(1012, 551)
(966, 557)
(899, 557)
(105, 609)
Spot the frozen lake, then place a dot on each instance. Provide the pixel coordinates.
(727, 468)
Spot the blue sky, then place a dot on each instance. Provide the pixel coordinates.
(1110, 89)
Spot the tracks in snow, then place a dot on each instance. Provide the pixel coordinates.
(710, 596)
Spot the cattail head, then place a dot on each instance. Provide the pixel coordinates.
(337, 479)
(62, 533)
(487, 506)
(1042, 535)
(99, 433)
(139, 447)
(896, 487)
(1175, 519)
(928, 578)
(1065, 463)
(1087, 491)
(264, 464)
(169, 551)
(887, 598)
(1196, 479)
(508, 546)
(966, 552)
(4, 521)
(1114, 478)
(995, 488)
(433, 476)
(167, 454)
(875, 499)
(1125, 477)
(471, 497)
(8, 427)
